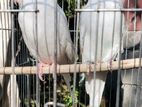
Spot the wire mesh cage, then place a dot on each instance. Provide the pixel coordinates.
(88, 50)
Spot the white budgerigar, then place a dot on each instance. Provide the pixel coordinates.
(41, 46)
(100, 42)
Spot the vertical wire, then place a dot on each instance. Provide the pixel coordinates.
(23, 91)
(133, 72)
(112, 44)
(119, 69)
(33, 89)
(37, 79)
(96, 48)
(2, 30)
(13, 60)
(102, 38)
(126, 53)
(49, 91)
(74, 78)
(20, 91)
(62, 6)
(17, 62)
(76, 30)
(2, 38)
(28, 90)
(68, 18)
(140, 54)
(76, 50)
(126, 50)
(139, 68)
(45, 33)
(55, 55)
(44, 93)
(21, 87)
(79, 48)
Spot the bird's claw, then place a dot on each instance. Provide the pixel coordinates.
(40, 72)
(41, 77)
(109, 65)
(89, 68)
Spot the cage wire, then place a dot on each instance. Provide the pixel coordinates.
(106, 66)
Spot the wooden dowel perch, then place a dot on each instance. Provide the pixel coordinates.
(100, 67)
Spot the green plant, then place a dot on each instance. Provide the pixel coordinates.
(69, 101)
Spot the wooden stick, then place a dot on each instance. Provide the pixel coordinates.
(100, 67)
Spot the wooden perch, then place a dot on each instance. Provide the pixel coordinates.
(100, 67)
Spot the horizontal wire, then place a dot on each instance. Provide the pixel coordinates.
(132, 84)
(83, 10)
(109, 10)
(5, 29)
(17, 10)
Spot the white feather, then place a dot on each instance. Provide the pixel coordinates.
(46, 25)
(93, 27)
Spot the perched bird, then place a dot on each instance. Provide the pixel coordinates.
(42, 45)
(5, 37)
(131, 78)
(100, 42)
(5, 31)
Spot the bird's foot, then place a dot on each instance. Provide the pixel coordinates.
(89, 68)
(40, 70)
(53, 68)
(109, 65)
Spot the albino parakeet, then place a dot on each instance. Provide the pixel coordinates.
(100, 40)
(41, 46)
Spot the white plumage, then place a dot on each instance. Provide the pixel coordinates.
(132, 38)
(5, 24)
(5, 35)
(132, 35)
(42, 45)
(100, 38)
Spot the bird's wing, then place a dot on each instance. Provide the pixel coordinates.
(83, 21)
(65, 37)
(101, 34)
